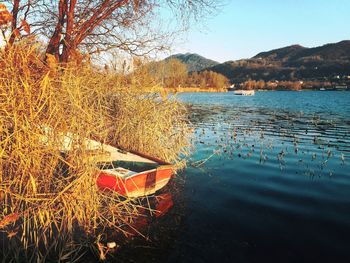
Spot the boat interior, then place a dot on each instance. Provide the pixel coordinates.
(127, 168)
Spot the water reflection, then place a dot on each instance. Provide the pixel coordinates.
(153, 232)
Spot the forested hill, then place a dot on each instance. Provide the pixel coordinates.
(330, 62)
(194, 62)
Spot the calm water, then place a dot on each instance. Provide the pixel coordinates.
(268, 180)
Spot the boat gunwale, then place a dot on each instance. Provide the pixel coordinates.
(161, 167)
(143, 155)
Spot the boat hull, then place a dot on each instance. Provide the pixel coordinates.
(140, 184)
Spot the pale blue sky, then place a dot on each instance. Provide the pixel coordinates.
(244, 28)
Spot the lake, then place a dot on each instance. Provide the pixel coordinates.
(268, 181)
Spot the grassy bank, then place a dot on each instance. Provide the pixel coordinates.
(50, 207)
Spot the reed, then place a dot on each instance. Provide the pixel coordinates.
(50, 207)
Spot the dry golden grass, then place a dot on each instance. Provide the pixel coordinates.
(48, 198)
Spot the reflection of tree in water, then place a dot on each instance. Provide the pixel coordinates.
(309, 141)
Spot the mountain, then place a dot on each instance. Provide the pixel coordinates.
(324, 63)
(194, 62)
(281, 53)
(337, 51)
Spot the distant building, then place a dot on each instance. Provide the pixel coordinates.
(341, 87)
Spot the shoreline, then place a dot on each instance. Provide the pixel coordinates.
(213, 90)
(184, 90)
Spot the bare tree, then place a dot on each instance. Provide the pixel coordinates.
(100, 25)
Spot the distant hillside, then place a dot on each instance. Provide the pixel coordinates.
(194, 62)
(324, 63)
(281, 53)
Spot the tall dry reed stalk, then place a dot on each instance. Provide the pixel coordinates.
(50, 207)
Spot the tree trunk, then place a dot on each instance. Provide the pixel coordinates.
(66, 20)
(68, 42)
(14, 21)
(55, 41)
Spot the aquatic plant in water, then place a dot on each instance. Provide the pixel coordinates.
(278, 137)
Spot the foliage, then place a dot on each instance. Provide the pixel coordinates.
(283, 85)
(208, 79)
(172, 73)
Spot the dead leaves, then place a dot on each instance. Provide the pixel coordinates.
(25, 26)
(9, 219)
(5, 15)
(51, 61)
(16, 33)
(6, 19)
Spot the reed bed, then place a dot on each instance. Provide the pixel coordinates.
(50, 207)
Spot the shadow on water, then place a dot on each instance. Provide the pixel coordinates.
(154, 232)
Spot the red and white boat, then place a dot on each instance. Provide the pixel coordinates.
(130, 173)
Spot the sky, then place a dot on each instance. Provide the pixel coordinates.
(243, 28)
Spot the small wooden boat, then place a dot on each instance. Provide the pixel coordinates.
(129, 173)
(132, 174)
